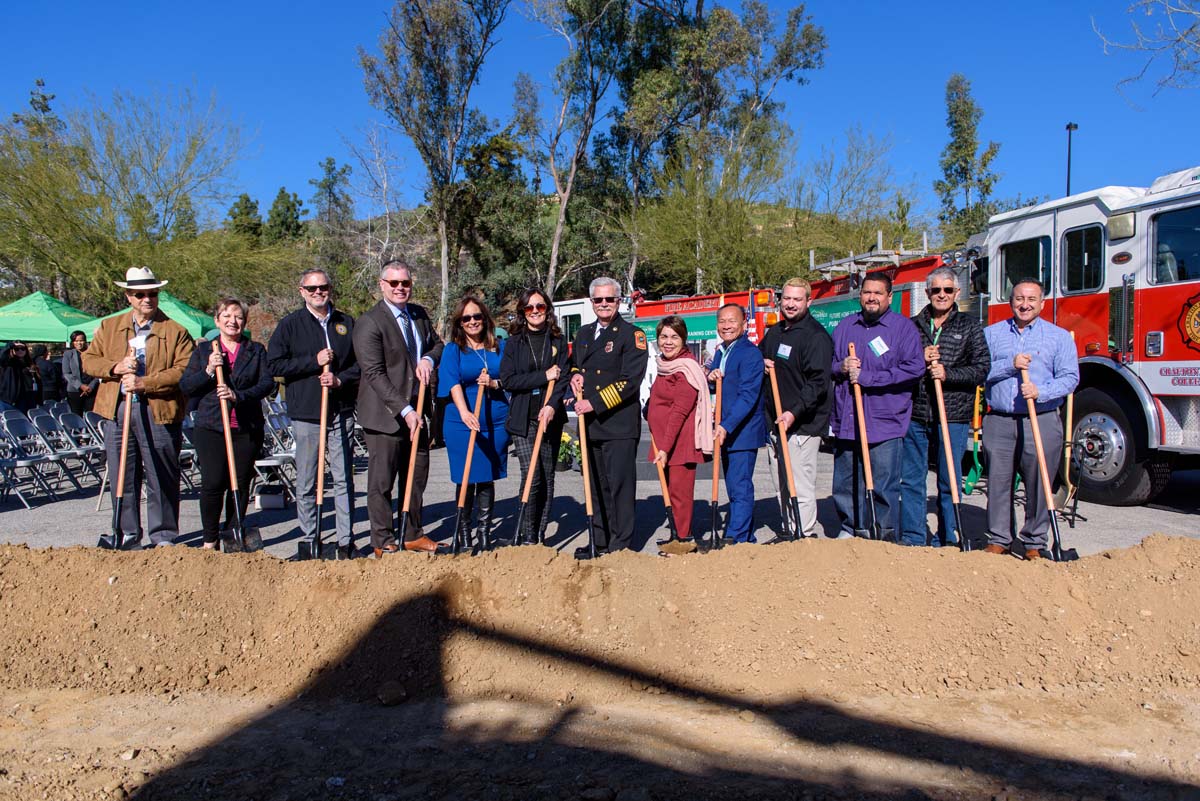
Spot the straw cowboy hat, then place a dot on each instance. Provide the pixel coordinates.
(140, 278)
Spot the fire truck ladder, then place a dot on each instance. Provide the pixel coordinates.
(873, 259)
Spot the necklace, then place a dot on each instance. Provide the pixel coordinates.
(478, 355)
(537, 360)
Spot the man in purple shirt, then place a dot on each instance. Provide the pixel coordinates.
(1024, 342)
(887, 364)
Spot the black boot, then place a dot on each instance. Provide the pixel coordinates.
(485, 497)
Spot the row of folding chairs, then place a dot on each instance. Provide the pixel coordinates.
(41, 452)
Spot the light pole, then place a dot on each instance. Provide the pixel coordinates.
(1071, 127)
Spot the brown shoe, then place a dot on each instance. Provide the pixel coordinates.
(678, 547)
(422, 544)
(391, 547)
(995, 549)
(1033, 554)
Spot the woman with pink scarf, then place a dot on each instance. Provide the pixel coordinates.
(680, 416)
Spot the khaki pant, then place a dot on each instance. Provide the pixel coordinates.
(802, 450)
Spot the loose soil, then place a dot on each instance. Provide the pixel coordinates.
(810, 670)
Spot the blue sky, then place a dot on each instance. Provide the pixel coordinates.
(288, 72)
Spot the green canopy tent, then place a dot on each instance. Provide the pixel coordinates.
(197, 323)
(42, 318)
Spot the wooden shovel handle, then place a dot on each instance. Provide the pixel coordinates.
(126, 418)
(783, 436)
(321, 442)
(862, 431)
(233, 482)
(1047, 489)
(412, 450)
(480, 391)
(583, 458)
(537, 446)
(951, 472)
(716, 476)
(662, 474)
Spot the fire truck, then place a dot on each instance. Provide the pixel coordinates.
(1121, 268)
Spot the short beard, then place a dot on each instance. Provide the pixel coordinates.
(871, 317)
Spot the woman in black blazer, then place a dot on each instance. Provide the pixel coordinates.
(247, 382)
(536, 352)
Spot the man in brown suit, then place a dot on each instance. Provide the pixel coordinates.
(396, 346)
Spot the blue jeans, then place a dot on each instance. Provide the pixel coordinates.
(914, 530)
(849, 488)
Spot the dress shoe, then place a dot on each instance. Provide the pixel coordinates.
(585, 552)
(421, 544)
(345, 552)
(391, 547)
(1033, 555)
(995, 549)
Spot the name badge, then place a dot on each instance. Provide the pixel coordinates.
(537, 392)
(784, 352)
(878, 346)
(138, 342)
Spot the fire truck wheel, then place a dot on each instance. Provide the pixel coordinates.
(1116, 469)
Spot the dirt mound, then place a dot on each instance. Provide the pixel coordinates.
(841, 618)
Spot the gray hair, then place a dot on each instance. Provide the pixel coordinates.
(604, 280)
(394, 264)
(944, 273)
(314, 271)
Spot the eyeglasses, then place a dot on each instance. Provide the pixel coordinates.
(395, 282)
(472, 318)
(316, 288)
(144, 295)
(604, 301)
(941, 290)
(535, 307)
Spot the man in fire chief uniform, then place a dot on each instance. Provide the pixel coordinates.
(608, 362)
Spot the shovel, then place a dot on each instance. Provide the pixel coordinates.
(533, 465)
(951, 468)
(666, 496)
(116, 541)
(315, 548)
(412, 464)
(716, 476)
(791, 507)
(1056, 549)
(466, 476)
(976, 471)
(587, 480)
(242, 540)
(873, 530)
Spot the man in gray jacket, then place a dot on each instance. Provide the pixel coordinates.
(397, 349)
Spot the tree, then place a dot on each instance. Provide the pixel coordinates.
(594, 33)
(283, 219)
(1173, 37)
(965, 188)
(432, 52)
(244, 219)
(185, 227)
(334, 215)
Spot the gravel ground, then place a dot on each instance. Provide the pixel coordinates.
(73, 519)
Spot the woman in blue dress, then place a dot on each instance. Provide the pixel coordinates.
(470, 364)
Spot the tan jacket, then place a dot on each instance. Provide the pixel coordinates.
(168, 348)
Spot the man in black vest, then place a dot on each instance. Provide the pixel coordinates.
(397, 349)
(608, 361)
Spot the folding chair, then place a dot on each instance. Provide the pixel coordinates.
(281, 454)
(28, 452)
(16, 470)
(188, 463)
(71, 441)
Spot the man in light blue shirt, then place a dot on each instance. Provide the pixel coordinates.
(1025, 342)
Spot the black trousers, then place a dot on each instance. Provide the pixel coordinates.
(215, 493)
(614, 491)
(541, 493)
(80, 403)
(387, 464)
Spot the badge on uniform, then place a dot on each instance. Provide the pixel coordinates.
(784, 352)
(639, 339)
(608, 346)
(878, 346)
(340, 328)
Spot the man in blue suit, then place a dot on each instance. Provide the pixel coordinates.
(742, 429)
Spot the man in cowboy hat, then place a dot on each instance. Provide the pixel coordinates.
(139, 358)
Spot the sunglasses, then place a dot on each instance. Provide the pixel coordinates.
(395, 282)
(941, 290)
(316, 288)
(603, 301)
(19, 347)
(471, 318)
(535, 307)
(144, 295)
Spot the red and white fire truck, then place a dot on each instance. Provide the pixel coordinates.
(1121, 267)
